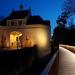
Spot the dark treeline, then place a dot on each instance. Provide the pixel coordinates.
(63, 34)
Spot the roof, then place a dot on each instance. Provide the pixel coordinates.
(22, 14)
(37, 20)
(18, 14)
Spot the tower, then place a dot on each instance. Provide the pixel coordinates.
(21, 7)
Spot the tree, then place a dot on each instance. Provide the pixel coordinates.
(60, 31)
(71, 35)
(62, 19)
(69, 7)
(71, 24)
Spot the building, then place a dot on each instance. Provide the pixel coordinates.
(20, 29)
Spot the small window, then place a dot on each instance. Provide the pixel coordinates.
(20, 22)
(12, 23)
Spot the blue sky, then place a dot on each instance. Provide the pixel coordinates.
(47, 9)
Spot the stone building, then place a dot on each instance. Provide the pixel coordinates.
(20, 29)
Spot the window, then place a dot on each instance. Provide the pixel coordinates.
(12, 23)
(20, 22)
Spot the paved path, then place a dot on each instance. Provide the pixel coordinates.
(66, 62)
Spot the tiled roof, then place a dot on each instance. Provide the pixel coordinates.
(18, 14)
(36, 20)
(22, 14)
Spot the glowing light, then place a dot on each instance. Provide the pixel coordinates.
(13, 38)
(41, 38)
(28, 42)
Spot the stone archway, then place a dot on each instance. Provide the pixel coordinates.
(15, 41)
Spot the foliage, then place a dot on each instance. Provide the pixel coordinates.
(65, 35)
(62, 19)
(62, 33)
(69, 7)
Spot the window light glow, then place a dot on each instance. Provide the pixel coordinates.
(41, 38)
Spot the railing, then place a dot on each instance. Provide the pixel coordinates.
(49, 65)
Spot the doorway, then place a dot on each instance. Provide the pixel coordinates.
(15, 41)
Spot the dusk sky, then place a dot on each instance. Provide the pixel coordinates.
(47, 9)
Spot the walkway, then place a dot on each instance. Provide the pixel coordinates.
(66, 62)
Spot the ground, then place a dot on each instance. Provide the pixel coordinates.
(20, 62)
(64, 63)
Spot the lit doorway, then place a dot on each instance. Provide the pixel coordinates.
(15, 41)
